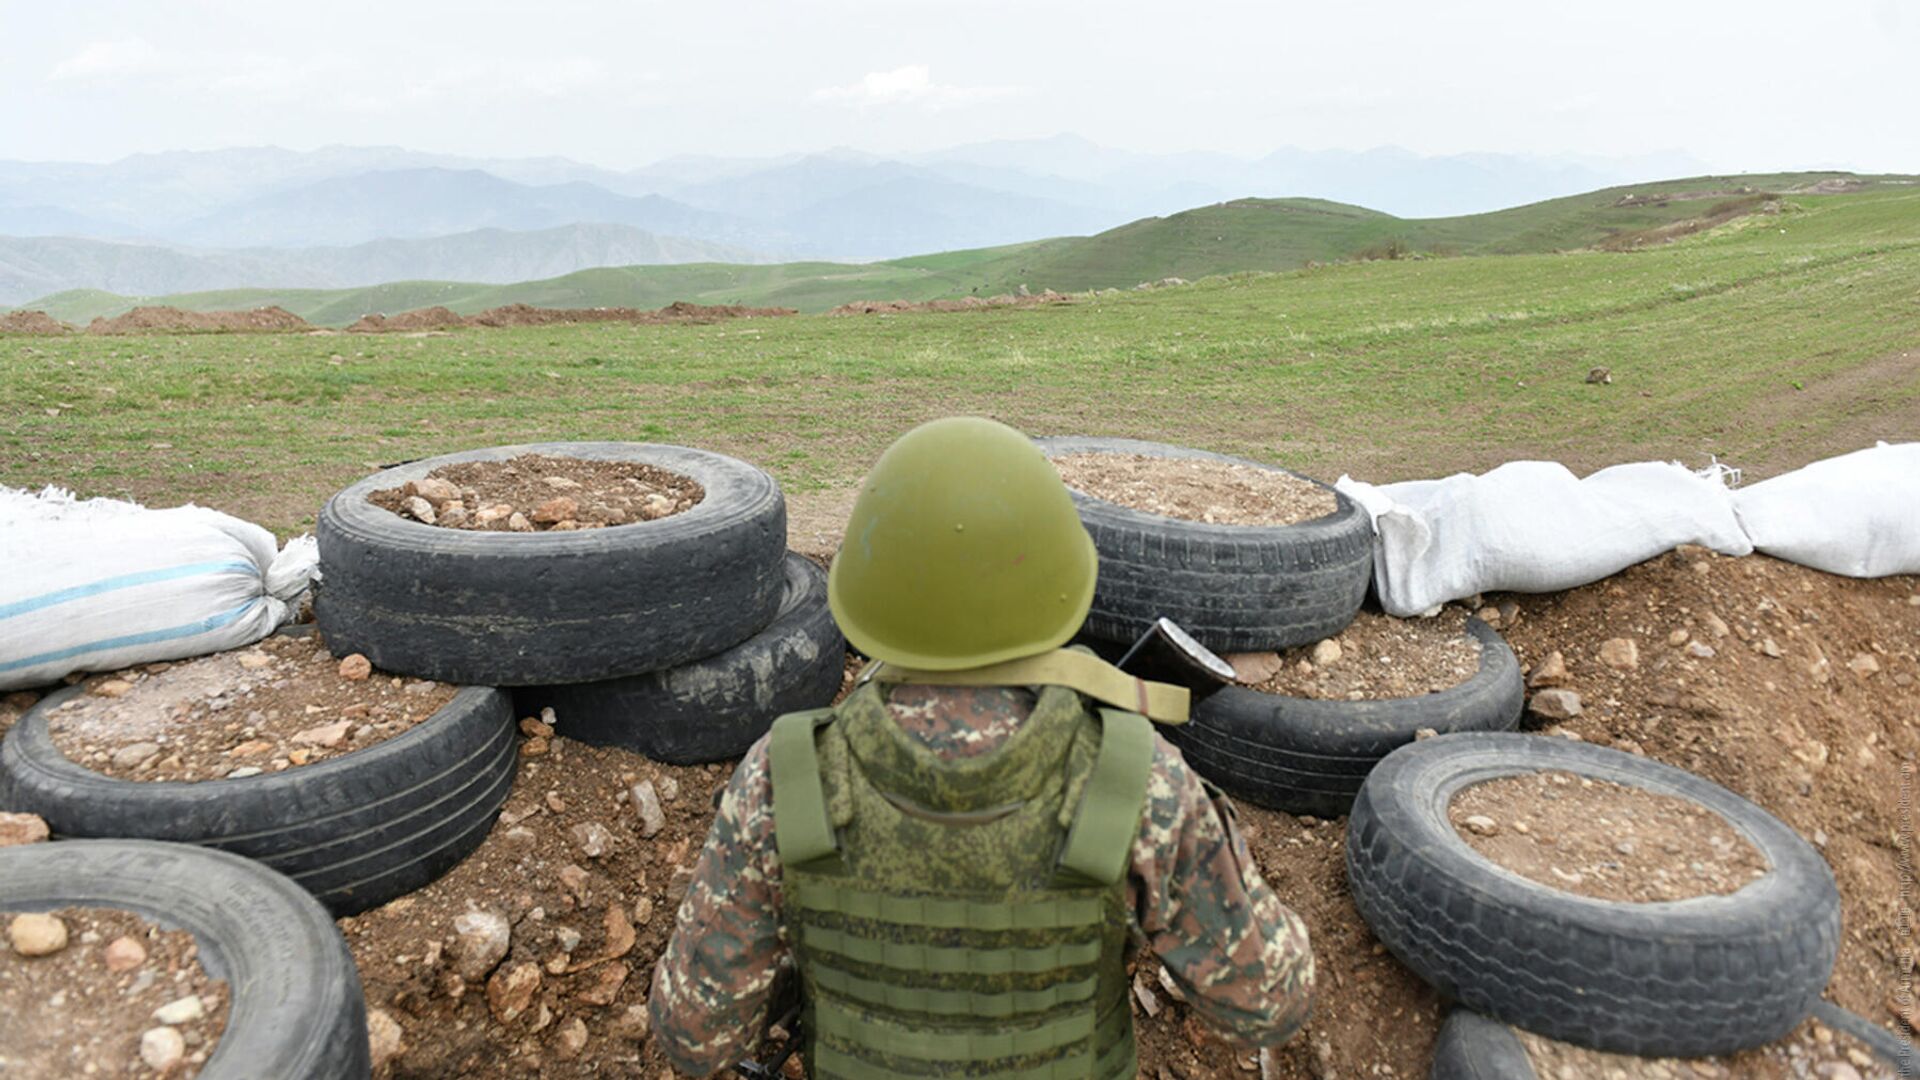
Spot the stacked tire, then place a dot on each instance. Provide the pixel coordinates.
(680, 638)
(1712, 974)
(1261, 588)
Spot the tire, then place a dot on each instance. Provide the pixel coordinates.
(1305, 756)
(1235, 588)
(715, 708)
(1472, 1047)
(1897, 1053)
(356, 831)
(297, 1008)
(1708, 975)
(510, 609)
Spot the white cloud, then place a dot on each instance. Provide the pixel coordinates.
(108, 60)
(910, 85)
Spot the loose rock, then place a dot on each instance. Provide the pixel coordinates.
(510, 991)
(433, 490)
(355, 667)
(1556, 704)
(1326, 652)
(481, 939)
(36, 934)
(421, 509)
(326, 736)
(571, 1040)
(593, 839)
(384, 1037)
(135, 755)
(1620, 654)
(182, 1011)
(123, 954)
(162, 1048)
(22, 829)
(1482, 824)
(1549, 672)
(1254, 667)
(113, 688)
(555, 510)
(1864, 665)
(646, 804)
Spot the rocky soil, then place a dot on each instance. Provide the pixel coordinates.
(1604, 840)
(102, 992)
(1197, 489)
(142, 320)
(440, 318)
(541, 493)
(1814, 1051)
(1375, 658)
(282, 704)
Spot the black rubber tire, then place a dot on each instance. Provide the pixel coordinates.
(513, 609)
(297, 1008)
(1235, 588)
(356, 831)
(1310, 757)
(1709, 975)
(1472, 1047)
(715, 708)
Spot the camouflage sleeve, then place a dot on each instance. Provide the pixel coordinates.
(1238, 955)
(712, 986)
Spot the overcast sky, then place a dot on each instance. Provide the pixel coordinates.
(1741, 86)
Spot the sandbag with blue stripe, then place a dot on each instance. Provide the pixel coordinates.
(102, 585)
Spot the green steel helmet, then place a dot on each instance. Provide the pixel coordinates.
(963, 550)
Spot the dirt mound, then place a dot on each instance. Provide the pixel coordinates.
(32, 322)
(435, 318)
(965, 303)
(147, 319)
(1716, 216)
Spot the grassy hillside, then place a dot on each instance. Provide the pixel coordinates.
(1245, 235)
(1769, 344)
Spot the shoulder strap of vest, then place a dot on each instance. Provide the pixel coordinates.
(802, 830)
(1101, 837)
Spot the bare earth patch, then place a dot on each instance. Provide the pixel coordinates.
(541, 493)
(1604, 840)
(1374, 658)
(82, 1010)
(1197, 489)
(285, 703)
(1813, 1050)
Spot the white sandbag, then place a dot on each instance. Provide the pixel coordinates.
(101, 584)
(1532, 526)
(1857, 514)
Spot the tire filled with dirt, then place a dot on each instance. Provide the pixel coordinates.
(356, 830)
(1234, 587)
(714, 708)
(1310, 756)
(1832, 1043)
(1713, 973)
(564, 605)
(296, 1009)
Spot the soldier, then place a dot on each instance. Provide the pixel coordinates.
(955, 857)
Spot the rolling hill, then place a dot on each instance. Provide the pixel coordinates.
(1244, 235)
(36, 266)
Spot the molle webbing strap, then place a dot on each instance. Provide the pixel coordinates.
(994, 1005)
(811, 893)
(1071, 668)
(916, 958)
(1117, 1063)
(802, 831)
(835, 1021)
(1108, 820)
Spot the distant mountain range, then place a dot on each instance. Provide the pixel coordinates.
(266, 213)
(1223, 238)
(35, 266)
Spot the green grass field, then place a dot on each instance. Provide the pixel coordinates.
(1244, 235)
(1770, 341)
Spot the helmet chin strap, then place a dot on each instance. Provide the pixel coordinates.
(1071, 668)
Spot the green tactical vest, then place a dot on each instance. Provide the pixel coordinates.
(966, 917)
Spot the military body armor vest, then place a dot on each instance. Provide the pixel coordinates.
(962, 917)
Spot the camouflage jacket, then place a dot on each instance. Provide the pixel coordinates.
(1237, 954)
